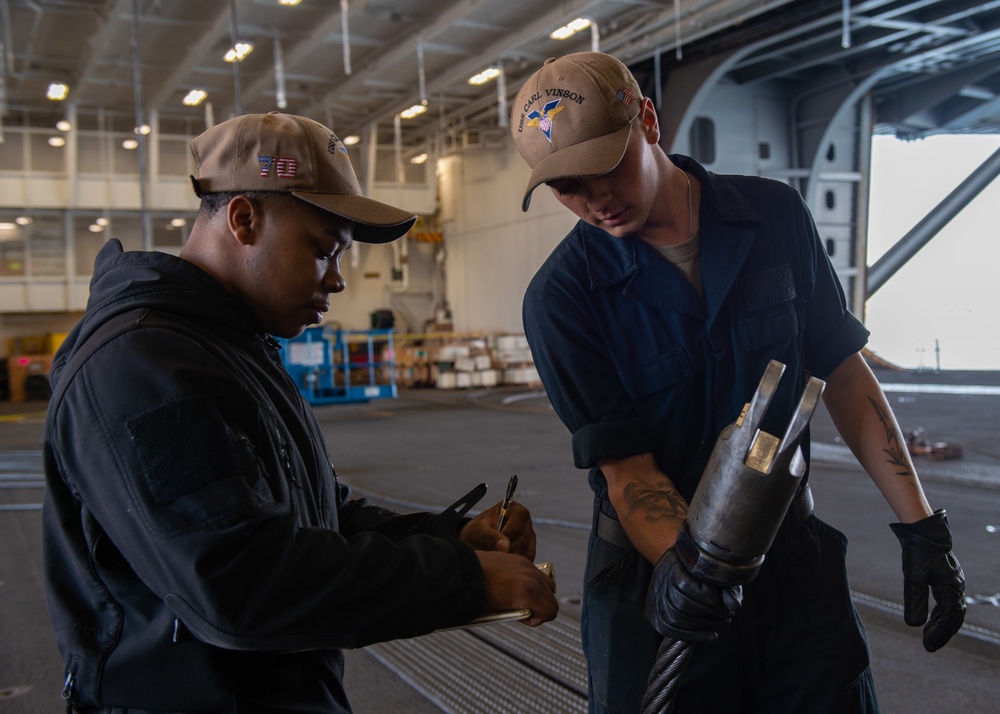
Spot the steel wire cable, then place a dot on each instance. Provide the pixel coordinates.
(661, 691)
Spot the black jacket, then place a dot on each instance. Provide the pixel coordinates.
(200, 553)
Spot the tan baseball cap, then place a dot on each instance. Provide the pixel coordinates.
(573, 116)
(292, 154)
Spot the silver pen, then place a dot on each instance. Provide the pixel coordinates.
(505, 506)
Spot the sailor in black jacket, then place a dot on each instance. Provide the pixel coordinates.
(200, 553)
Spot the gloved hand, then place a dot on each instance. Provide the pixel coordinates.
(928, 561)
(682, 607)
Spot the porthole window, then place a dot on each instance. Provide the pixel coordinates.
(831, 247)
(831, 200)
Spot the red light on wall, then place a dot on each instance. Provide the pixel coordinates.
(23, 361)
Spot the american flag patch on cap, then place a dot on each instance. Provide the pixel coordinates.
(626, 96)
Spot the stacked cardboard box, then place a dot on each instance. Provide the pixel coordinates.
(414, 365)
(512, 357)
(465, 363)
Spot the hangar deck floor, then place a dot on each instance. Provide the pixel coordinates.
(427, 447)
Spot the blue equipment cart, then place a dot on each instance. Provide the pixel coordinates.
(332, 366)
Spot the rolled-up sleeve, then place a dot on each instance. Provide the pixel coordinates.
(832, 332)
(580, 378)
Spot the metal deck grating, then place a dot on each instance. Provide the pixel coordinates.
(505, 668)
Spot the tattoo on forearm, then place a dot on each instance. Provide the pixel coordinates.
(894, 445)
(657, 505)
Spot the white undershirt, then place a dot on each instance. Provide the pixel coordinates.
(686, 257)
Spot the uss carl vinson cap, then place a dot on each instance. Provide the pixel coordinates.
(573, 117)
(292, 154)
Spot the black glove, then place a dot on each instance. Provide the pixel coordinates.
(928, 561)
(682, 607)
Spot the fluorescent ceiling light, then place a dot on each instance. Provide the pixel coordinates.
(178, 222)
(414, 111)
(419, 159)
(351, 140)
(24, 220)
(102, 221)
(194, 97)
(130, 144)
(94, 228)
(289, 2)
(485, 76)
(57, 141)
(57, 91)
(238, 52)
(8, 226)
(145, 129)
(568, 30)
(63, 125)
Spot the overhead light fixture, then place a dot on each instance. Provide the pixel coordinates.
(419, 159)
(145, 129)
(194, 97)
(570, 29)
(102, 221)
(130, 144)
(24, 220)
(57, 91)
(280, 95)
(345, 35)
(8, 226)
(290, 3)
(94, 228)
(238, 52)
(485, 76)
(351, 140)
(57, 141)
(178, 222)
(414, 111)
(63, 125)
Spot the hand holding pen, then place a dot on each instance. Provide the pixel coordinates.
(505, 506)
(505, 527)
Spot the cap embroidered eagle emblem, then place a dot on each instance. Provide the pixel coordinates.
(332, 145)
(543, 119)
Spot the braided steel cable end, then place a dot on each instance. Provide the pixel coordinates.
(671, 659)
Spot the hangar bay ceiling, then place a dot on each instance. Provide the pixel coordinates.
(357, 64)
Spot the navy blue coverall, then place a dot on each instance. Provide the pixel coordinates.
(634, 360)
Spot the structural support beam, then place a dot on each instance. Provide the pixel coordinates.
(932, 223)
